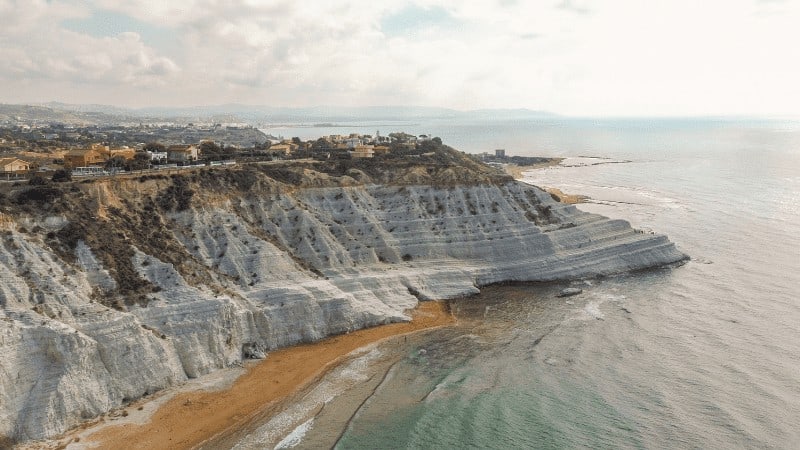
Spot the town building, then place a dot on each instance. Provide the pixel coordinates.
(123, 152)
(363, 151)
(182, 153)
(159, 157)
(14, 166)
(381, 150)
(286, 149)
(353, 142)
(84, 157)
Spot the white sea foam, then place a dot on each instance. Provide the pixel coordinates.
(289, 426)
(296, 436)
(439, 391)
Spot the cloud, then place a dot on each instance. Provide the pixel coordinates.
(44, 53)
(620, 56)
(285, 52)
(413, 18)
(573, 6)
(103, 23)
(23, 16)
(66, 55)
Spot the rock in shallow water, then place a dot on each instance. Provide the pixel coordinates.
(569, 292)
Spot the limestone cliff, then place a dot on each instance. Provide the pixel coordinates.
(112, 289)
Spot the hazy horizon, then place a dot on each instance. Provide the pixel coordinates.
(333, 113)
(618, 58)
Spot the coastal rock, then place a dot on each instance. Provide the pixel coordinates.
(569, 292)
(235, 275)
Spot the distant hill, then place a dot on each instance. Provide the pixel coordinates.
(256, 114)
(253, 114)
(33, 114)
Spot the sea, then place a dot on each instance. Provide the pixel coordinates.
(705, 355)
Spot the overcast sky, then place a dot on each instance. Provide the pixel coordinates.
(576, 57)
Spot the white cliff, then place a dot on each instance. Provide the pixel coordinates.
(234, 275)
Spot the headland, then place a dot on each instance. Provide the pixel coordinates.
(118, 287)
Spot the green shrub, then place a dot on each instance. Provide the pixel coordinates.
(62, 175)
(178, 196)
(39, 194)
(37, 180)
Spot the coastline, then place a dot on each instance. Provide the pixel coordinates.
(192, 418)
(516, 171)
(570, 199)
(559, 196)
(150, 426)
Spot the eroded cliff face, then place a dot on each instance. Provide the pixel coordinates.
(114, 289)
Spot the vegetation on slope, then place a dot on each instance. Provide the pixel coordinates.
(116, 216)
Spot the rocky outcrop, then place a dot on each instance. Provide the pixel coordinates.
(117, 289)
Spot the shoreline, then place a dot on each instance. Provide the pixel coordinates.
(516, 171)
(194, 416)
(570, 199)
(559, 196)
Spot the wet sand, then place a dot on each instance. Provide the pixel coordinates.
(190, 419)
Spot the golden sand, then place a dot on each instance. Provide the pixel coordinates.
(566, 198)
(191, 418)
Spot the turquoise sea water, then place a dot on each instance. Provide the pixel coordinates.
(706, 355)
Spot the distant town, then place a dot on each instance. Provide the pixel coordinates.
(61, 151)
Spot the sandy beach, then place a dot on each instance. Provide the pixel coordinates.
(517, 171)
(571, 199)
(189, 419)
(557, 194)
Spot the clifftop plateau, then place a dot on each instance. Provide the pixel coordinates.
(114, 288)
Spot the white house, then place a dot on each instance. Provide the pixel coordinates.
(182, 153)
(353, 142)
(157, 156)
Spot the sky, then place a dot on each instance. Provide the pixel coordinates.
(572, 57)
